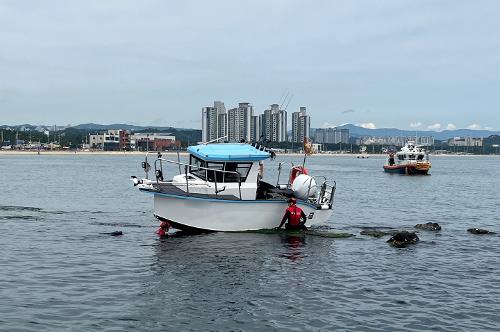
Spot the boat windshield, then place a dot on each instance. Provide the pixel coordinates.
(198, 169)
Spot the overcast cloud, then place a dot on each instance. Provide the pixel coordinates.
(159, 62)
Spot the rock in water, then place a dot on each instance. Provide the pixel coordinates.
(430, 226)
(116, 233)
(402, 239)
(479, 231)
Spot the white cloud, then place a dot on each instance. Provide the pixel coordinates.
(435, 126)
(368, 125)
(415, 124)
(451, 126)
(331, 125)
(474, 126)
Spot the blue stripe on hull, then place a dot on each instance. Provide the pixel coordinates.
(399, 170)
(402, 170)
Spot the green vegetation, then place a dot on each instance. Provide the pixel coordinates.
(73, 138)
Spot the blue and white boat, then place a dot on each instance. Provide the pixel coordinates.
(222, 188)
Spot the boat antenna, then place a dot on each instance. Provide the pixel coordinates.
(291, 96)
(284, 100)
(283, 96)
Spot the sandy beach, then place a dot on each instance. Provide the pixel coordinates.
(184, 153)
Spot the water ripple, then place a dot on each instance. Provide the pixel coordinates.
(60, 272)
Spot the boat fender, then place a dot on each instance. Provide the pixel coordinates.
(135, 180)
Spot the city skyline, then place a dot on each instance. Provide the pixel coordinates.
(242, 124)
(404, 64)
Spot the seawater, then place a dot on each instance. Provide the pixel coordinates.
(58, 271)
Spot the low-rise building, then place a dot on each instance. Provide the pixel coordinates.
(153, 141)
(111, 140)
(465, 141)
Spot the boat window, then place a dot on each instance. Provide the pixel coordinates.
(212, 175)
(195, 163)
(242, 168)
(401, 157)
(411, 157)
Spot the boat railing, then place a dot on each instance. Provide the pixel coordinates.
(280, 166)
(145, 164)
(187, 167)
(326, 190)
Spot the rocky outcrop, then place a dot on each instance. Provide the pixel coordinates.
(430, 226)
(479, 231)
(403, 239)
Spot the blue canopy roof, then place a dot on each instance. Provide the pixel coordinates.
(228, 152)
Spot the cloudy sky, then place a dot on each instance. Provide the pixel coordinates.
(406, 64)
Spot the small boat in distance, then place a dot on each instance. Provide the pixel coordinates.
(222, 188)
(362, 152)
(410, 160)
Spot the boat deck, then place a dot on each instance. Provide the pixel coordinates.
(170, 189)
(265, 191)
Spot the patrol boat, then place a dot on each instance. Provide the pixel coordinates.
(222, 189)
(411, 160)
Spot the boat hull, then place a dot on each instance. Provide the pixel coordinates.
(193, 213)
(408, 169)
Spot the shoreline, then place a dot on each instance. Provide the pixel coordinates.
(185, 153)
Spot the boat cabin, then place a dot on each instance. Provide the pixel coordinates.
(410, 153)
(225, 168)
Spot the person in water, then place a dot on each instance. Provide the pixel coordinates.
(295, 216)
(162, 231)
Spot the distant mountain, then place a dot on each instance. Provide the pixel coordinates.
(357, 131)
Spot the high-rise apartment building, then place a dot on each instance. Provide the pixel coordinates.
(332, 135)
(213, 122)
(301, 125)
(256, 128)
(274, 124)
(239, 123)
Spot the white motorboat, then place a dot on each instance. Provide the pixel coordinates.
(222, 189)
